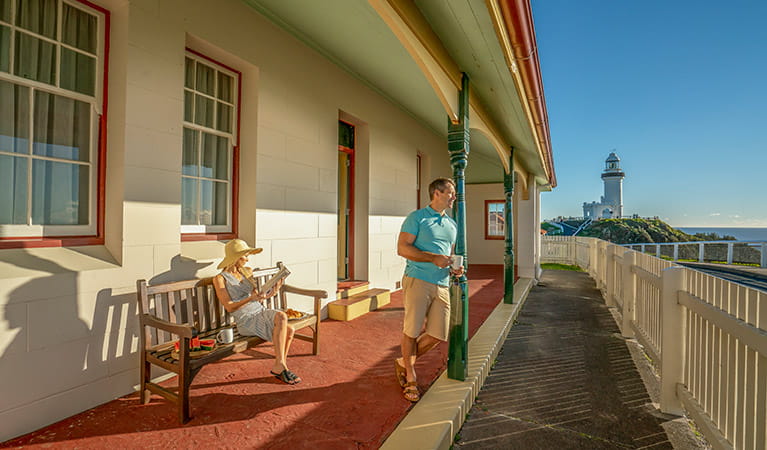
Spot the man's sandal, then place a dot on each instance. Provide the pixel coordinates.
(410, 392)
(401, 374)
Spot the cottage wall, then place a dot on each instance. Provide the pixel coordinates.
(68, 328)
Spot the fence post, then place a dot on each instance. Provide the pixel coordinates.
(657, 250)
(629, 293)
(609, 275)
(700, 252)
(672, 339)
(764, 255)
(729, 253)
(676, 252)
(593, 246)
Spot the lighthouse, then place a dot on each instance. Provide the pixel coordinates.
(611, 203)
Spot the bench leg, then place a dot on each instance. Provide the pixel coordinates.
(316, 343)
(146, 373)
(184, 408)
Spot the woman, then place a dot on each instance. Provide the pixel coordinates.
(241, 298)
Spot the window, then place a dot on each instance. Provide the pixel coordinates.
(209, 163)
(494, 219)
(51, 120)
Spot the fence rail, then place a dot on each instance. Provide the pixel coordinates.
(723, 252)
(706, 336)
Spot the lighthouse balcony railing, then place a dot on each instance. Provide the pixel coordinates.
(706, 336)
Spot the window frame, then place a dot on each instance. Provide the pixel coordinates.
(190, 233)
(488, 236)
(37, 235)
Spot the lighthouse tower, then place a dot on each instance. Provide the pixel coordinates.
(610, 205)
(613, 178)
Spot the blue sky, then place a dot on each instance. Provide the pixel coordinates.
(677, 88)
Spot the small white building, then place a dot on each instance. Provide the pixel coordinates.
(610, 206)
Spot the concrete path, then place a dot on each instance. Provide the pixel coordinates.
(565, 378)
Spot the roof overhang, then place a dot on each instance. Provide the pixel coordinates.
(414, 51)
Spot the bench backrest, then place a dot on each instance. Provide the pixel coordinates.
(194, 302)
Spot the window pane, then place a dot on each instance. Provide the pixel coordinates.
(14, 118)
(225, 83)
(189, 73)
(38, 16)
(190, 150)
(5, 10)
(495, 219)
(213, 204)
(79, 29)
(203, 111)
(188, 106)
(13, 190)
(59, 193)
(224, 117)
(206, 79)
(61, 127)
(35, 59)
(345, 135)
(5, 49)
(188, 201)
(78, 72)
(215, 157)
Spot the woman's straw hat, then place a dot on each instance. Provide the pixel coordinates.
(235, 249)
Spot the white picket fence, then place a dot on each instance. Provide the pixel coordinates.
(706, 336)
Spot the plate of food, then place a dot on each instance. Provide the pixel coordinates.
(294, 315)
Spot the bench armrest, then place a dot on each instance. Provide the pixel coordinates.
(307, 292)
(180, 330)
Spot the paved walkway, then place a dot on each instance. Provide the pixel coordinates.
(349, 398)
(565, 378)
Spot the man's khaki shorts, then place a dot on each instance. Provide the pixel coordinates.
(428, 301)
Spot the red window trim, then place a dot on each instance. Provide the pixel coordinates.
(487, 236)
(98, 239)
(193, 237)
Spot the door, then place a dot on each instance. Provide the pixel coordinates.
(345, 201)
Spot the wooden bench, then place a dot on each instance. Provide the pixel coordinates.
(185, 309)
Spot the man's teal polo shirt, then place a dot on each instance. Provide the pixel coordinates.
(434, 233)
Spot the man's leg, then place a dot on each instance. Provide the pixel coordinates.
(409, 352)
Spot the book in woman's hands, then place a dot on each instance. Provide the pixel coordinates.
(271, 282)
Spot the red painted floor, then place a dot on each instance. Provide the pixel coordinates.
(349, 397)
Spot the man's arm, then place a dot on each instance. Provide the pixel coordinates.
(407, 250)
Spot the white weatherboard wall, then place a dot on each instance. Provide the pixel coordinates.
(68, 316)
(481, 250)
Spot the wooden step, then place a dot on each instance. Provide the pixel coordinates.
(350, 308)
(348, 288)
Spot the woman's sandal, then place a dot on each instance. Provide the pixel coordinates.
(410, 392)
(286, 377)
(401, 374)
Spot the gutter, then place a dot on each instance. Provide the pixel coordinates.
(518, 18)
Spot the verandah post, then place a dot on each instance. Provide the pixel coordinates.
(508, 220)
(458, 147)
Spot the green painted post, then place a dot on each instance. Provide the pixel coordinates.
(458, 146)
(508, 219)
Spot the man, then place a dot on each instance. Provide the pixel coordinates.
(426, 240)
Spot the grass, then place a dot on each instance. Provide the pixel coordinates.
(557, 266)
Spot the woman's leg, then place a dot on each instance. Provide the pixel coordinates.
(288, 340)
(279, 338)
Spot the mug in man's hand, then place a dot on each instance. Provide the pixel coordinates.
(456, 261)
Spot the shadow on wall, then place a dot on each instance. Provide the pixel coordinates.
(44, 329)
(49, 333)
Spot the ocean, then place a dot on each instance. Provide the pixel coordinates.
(741, 234)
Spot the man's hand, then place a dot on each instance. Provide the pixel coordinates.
(457, 272)
(440, 261)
